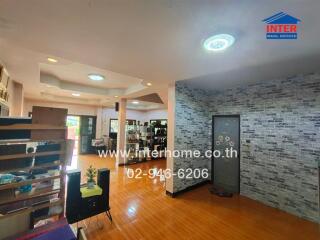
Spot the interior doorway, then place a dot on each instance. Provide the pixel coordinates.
(87, 134)
(73, 124)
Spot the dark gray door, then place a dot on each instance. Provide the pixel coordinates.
(87, 133)
(226, 167)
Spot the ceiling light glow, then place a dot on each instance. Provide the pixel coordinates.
(116, 96)
(135, 102)
(95, 77)
(76, 94)
(149, 84)
(52, 60)
(218, 42)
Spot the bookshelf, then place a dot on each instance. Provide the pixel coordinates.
(33, 169)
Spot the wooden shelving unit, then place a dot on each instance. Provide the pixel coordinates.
(47, 128)
(31, 195)
(32, 127)
(42, 166)
(33, 208)
(24, 155)
(159, 127)
(27, 182)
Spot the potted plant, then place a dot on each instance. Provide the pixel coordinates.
(91, 174)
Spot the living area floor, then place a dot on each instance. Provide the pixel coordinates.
(141, 210)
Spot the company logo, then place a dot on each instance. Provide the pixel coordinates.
(281, 26)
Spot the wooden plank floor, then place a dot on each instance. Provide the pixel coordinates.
(141, 210)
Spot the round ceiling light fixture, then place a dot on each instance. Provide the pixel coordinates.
(218, 42)
(76, 94)
(135, 102)
(95, 77)
(149, 84)
(52, 60)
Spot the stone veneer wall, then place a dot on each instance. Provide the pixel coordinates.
(191, 131)
(281, 118)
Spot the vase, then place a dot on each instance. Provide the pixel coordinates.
(90, 185)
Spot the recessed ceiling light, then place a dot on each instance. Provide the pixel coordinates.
(149, 84)
(135, 102)
(115, 96)
(96, 77)
(218, 42)
(52, 60)
(76, 94)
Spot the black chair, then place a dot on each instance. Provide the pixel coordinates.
(78, 208)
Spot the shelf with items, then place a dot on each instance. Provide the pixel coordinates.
(28, 155)
(141, 139)
(55, 164)
(134, 143)
(34, 207)
(28, 182)
(159, 128)
(14, 127)
(33, 165)
(34, 193)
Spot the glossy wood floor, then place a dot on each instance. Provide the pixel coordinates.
(141, 210)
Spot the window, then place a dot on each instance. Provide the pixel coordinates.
(113, 127)
(157, 122)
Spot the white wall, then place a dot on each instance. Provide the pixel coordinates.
(156, 114)
(142, 116)
(109, 113)
(11, 95)
(73, 109)
(103, 114)
(16, 100)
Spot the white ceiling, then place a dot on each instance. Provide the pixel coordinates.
(134, 42)
(78, 73)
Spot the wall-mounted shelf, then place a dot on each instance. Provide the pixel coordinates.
(27, 182)
(35, 193)
(41, 166)
(33, 208)
(27, 155)
(32, 127)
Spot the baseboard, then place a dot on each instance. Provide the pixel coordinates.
(175, 194)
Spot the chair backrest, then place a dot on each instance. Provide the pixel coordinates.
(73, 200)
(104, 183)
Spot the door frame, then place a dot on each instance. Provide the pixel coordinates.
(82, 115)
(213, 140)
(73, 115)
